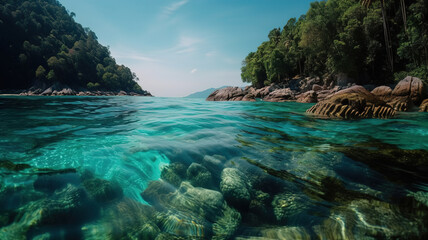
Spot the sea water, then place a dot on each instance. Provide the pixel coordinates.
(131, 140)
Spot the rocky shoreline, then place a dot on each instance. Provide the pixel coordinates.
(58, 89)
(346, 102)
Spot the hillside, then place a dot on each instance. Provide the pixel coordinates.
(42, 45)
(369, 42)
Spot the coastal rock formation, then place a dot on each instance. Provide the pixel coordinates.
(307, 97)
(409, 92)
(424, 106)
(227, 94)
(199, 176)
(280, 95)
(352, 103)
(411, 87)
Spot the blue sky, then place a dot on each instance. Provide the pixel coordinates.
(184, 46)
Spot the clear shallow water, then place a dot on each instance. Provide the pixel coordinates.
(305, 177)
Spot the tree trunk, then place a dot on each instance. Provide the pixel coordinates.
(386, 34)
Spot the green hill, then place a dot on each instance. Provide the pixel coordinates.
(42, 44)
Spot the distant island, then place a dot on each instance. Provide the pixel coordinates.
(45, 52)
(204, 93)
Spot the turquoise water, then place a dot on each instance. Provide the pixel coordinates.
(305, 176)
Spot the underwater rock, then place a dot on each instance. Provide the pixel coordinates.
(102, 190)
(235, 188)
(156, 192)
(199, 176)
(369, 219)
(227, 224)
(214, 162)
(64, 206)
(285, 233)
(394, 162)
(206, 208)
(352, 103)
(124, 219)
(181, 225)
(424, 106)
(174, 173)
(286, 205)
(52, 182)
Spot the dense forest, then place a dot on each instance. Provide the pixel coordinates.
(370, 41)
(41, 43)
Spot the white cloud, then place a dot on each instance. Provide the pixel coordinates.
(170, 9)
(185, 44)
(193, 71)
(211, 54)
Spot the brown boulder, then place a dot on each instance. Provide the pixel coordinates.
(382, 91)
(280, 95)
(227, 94)
(411, 87)
(399, 103)
(307, 97)
(424, 106)
(352, 103)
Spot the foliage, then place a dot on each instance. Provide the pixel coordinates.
(40, 41)
(345, 36)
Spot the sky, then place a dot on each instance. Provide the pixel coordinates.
(184, 46)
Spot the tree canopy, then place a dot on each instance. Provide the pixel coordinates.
(347, 37)
(40, 41)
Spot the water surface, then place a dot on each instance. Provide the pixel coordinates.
(306, 177)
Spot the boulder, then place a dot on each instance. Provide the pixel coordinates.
(102, 190)
(399, 103)
(193, 212)
(280, 95)
(124, 219)
(382, 91)
(317, 88)
(411, 87)
(424, 106)
(352, 103)
(307, 97)
(235, 188)
(227, 94)
(199, 176)
(369, 219)
(286, 205)
(174, 173)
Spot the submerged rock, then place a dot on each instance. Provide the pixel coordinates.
(125, 219)
(102, 190)
(199, 176)
(68, 205)
(174, 173)
(235, 188)
(369, 219)
(286, 205)
(352, 103)
(206, 208)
